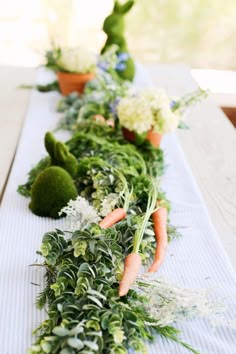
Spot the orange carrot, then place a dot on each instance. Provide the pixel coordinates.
(112, 218)
(159, 218)
(101, 119)
(131, 269)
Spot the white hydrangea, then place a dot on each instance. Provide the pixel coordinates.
(135, 114)
(77, 60)
(79, 214)
(150, 108)
(157, 97)
(165, 120)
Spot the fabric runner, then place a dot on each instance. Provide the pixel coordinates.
(196, 260)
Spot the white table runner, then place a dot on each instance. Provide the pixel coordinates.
(196, 260)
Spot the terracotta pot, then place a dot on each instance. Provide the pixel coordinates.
(129, 135)
(153, 137)
(69, 82)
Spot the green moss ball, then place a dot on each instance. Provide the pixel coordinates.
(51, 191)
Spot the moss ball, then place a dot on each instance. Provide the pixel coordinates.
(51, 191)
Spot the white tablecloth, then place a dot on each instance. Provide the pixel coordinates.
(195, 260)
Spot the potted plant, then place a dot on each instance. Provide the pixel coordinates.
(151, 113)
(74, 68)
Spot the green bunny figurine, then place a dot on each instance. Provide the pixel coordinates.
(54, 186)
(114, 27)
(60, 155)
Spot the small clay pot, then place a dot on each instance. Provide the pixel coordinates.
(153, 137)
(69, 82)
(129, 135)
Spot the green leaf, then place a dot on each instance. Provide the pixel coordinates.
(94, 299)
(96, 293)
(36, 348)
(75, 343)
(46, 347)
(105, 321)
(91, 345)
(60, 331)
(77, 330)
(149, 232)
(67, 351)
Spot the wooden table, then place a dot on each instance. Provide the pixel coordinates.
(210, 144)
(13, 106)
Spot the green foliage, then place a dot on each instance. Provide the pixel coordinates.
(95, 139)
(52, 57)
(96, 179)
(101, 96)
(95, 159)
(25, 189)
(122, 156)
(114, 27)
(85, 313)
(188, 100)
(51, 191)
(52, 86)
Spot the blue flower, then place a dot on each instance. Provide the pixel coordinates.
(172, 104)
(123, 57)
(120, 67)
(103, 65)
(113, 106)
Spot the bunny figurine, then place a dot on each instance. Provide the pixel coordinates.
(54, 186)
(114, 27)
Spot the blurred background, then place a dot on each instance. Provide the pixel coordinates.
(199, 33)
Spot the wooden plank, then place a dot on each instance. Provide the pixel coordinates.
(210, 147)
(13, 105)
(231, 114)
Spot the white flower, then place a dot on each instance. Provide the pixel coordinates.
(135, 114)
(79, 214)
(77, 60)
(168, 303)
(156, 96)
(109, 203)
(165, 120)
(150, 108)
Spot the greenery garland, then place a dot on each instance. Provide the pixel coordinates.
(83, 267)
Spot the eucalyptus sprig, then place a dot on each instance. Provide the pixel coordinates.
(85, 313)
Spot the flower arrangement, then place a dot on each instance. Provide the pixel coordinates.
(151, 108)
(71, 60)
(74, 67)
(152, 113)
(100, 95)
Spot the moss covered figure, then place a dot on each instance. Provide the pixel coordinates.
(51, 191)
(114, 27)
(60, 155)
(54, 186)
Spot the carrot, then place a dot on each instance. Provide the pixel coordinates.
(112, 218)
(160, 222)
(101, 119)
(131, 269)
